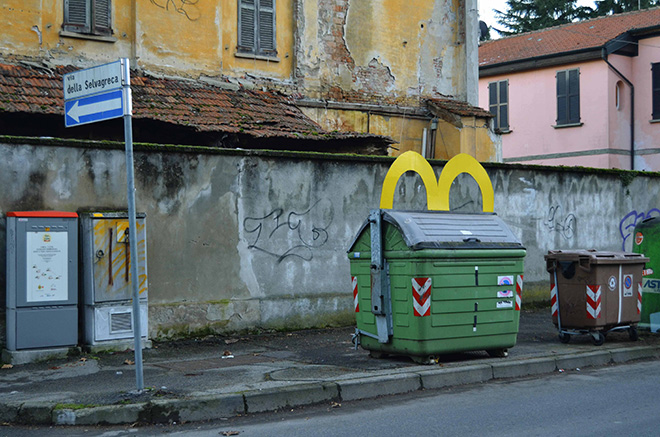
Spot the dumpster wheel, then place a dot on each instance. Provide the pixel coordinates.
(424, 359)
(598, 338)
(378, 354)
(633, 334)
(564, 337)
(497, 353)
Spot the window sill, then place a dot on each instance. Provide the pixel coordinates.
(562, 126)
(87, 36)
(503, 131)
(257, 57)
(655, 120)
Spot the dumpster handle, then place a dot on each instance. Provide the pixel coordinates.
(471, 240)
(584, 263)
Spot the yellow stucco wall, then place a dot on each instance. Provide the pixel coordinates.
(472, 138)
(169, 36)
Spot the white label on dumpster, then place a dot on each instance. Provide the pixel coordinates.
(505, 280)
(612, 283)
(47, 270)
(505, 293)
(504, 304)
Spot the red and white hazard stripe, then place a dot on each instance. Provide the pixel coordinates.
(421, 296)
(356, 302)
(519, 285)
(553, 299)
(593, 301)
(639, 298)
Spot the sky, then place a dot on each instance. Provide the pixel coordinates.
(486, 10)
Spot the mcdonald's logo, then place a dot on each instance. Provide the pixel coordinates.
(437, 192)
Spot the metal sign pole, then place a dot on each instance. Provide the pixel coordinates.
(132, 225)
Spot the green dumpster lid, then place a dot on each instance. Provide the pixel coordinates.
(447, 230)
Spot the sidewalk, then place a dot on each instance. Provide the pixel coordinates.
(224, 376)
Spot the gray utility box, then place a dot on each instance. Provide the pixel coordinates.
(107, 291)
(42, 279)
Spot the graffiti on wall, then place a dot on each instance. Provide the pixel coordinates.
(558, 221)
(187, 8)
(294, 234)
(630, 220)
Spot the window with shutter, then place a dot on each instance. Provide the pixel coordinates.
(568, 97)
(498, 103)
(90, 17)
(256, 27)
(655, 94)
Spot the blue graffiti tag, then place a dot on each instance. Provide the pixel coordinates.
(628, 223)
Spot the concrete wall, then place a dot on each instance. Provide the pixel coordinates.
(240, 240)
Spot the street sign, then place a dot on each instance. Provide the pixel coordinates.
(94, 108)
(95, 80)
(97, 94)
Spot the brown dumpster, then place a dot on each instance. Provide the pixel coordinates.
(595, 292)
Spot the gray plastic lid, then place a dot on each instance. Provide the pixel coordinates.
(441, 229)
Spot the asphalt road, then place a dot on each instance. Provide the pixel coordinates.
(614, 400)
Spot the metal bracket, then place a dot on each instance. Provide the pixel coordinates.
(381, 305)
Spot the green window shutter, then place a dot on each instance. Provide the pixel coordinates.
(498, 103)
(76, 16)
(492, 101)
(102, 17)
(504, 104)
(562, 98)
(655, 85)
(573, 96)
(267, 27)
(247, 26)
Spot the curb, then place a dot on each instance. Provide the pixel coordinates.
(214, 407)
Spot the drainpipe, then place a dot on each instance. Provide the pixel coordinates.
(632, 108)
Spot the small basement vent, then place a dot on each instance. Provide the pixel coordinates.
(121, 322)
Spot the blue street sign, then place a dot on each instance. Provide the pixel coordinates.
(94, 108)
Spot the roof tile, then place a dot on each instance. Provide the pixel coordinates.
(203, 107)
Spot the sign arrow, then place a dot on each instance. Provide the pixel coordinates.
(77, 111)
(94, 108)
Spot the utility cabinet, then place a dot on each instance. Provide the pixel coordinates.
(107, 290)
(42, 279)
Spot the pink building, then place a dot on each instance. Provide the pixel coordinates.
(582, 94)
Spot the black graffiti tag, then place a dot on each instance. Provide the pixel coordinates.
(565, 225)
(297, 231)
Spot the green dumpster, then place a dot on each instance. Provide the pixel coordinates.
(432, 283)
(647, 241)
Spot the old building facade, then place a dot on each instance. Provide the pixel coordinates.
(406, 70)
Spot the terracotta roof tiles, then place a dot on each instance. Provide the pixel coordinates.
(588, 34)
(205, 108)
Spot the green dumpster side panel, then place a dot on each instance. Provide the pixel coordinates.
(463, 316)
(650, 247)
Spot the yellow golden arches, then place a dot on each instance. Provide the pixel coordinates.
(437, 194)
(463, 163)
(409, 161)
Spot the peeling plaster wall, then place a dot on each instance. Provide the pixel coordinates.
(386, 50)
(241, 240)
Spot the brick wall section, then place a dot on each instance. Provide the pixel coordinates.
(368, 82)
